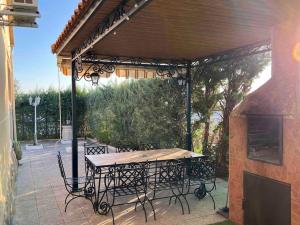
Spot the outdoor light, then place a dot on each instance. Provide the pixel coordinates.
(30, 100)
(181, 81)
(35, 103)
(38, 100)
(95, 78)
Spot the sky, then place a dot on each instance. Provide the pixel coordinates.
(35, 65)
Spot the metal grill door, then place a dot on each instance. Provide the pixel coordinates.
(266, 201)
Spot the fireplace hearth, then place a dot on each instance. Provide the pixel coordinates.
(265, 138)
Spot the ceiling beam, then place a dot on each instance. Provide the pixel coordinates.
(117, 17)
(87, 15)
(241, 52)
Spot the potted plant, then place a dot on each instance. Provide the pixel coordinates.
(18, 150)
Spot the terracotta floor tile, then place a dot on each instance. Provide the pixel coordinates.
(41, 193)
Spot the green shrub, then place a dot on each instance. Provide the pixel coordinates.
(48, 113)
(137, 112)
(18, 150)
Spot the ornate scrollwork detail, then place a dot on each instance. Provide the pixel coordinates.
(200, 192)
(103, 65)
(89, 192)
(166, 71)
(93, 69)
(252, 49)
(106, 68)
(104, 208)
(98, 170)
(117, 15)
(78, 65)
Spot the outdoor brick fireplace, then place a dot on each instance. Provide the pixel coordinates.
(265, 141)
(264, 138)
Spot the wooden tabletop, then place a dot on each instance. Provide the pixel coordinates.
(140, 156)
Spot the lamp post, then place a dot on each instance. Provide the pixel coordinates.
(35, 103)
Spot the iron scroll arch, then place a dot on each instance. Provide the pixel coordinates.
(91, 63)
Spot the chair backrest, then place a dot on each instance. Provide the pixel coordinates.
(95, 149)
(61, 166)
(204, 169)
(125, 148)
(149, 146)
(171, 171)
(125, 176)
(169, 145)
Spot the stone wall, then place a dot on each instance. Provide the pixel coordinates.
(8, 163)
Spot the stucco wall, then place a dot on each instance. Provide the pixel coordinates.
(7, 157)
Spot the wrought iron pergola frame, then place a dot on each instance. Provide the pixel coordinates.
(164, 68)
(84, 62)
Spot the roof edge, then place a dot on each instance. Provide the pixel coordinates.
(78, 14)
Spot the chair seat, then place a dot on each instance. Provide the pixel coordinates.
(126, 190)
(194, 180)
(164, 186)
(81, 181)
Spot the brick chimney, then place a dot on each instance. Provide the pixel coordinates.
(280, 96)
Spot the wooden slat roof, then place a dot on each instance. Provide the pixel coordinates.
(78, 28)
(181, 29)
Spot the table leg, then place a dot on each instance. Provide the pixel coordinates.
(101, 206)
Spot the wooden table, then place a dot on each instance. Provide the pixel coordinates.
(105, 160)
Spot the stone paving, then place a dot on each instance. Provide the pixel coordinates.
(40, 197)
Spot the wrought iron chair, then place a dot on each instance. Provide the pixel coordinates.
(125, 148)
(149, 146)
(169, 145)
(76, 187)
(126, 180)
(202, 176)
(94, 149)
(169, 176)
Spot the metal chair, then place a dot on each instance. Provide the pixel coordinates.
(76, 187)
(125, 148)
(169, 176)
(126, 180)
(94, 149)
(149, 146)
(202, 175)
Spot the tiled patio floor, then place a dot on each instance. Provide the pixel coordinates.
(40, 197)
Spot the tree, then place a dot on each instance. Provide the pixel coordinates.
(239, 75)
(206, 95)
(137, 112)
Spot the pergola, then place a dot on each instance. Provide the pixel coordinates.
(169, 37)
